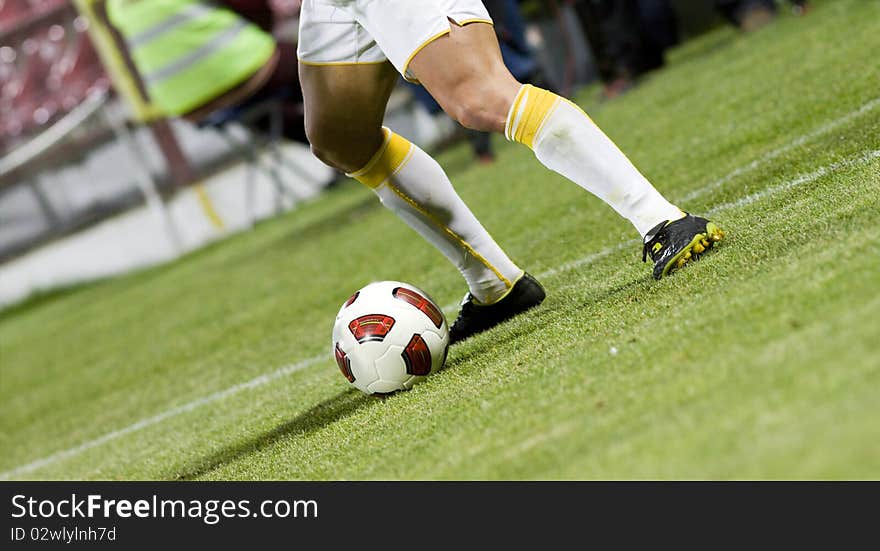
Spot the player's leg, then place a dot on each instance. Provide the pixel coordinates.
(464, 72)
(344, 107)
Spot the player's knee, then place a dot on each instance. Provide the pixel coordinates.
(470, 114)
(467, 109)
(347, 152)
(326, 147)
(326, 156)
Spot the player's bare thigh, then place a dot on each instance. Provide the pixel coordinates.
(466, 75)
(344, 109)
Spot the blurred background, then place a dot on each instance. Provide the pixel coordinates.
(116, 153)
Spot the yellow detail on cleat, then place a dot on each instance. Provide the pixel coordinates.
(657, 247)
(700, 244)
(716, 234)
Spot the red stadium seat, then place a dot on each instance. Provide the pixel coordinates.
(12, 13)
(48, 71)
(80, 72)
(38, 7)
(28, 91)
(8, 67)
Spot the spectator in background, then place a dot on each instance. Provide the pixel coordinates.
(628, 38)
(750, 15)
(283, 81)
(248, 68)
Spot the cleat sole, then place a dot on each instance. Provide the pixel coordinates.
(716, 234)
(701, 243)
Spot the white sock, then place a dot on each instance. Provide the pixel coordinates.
(410, 183)
(567, 141)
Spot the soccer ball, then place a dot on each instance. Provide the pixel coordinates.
(388, 336)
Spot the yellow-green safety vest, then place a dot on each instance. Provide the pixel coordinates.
(188, 52)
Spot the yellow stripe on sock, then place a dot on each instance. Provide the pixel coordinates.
(385, 162)
(467, 246)
(511, 116)
(392, 156)
(546, 116)
(539, 104)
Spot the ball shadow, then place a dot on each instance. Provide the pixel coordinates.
(325, 413)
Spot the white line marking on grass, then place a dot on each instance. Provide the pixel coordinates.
(589, 259)
(799, 181)
(556, 432)
(158, 418)
(583, 261)
(712, 186)
(742, 201)
(774, 153)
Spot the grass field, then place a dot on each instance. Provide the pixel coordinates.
(759, 361)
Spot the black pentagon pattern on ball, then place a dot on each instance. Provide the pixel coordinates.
(417, 356)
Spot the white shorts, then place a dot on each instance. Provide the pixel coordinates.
(339, 32)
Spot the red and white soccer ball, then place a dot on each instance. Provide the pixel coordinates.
(388, 336)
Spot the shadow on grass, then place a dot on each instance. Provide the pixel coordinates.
(350, 401)
(332, 222)
(535, 321)
(325, 413)
(303, 233)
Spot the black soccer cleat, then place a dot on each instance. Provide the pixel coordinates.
(673, 244)
(475, 318)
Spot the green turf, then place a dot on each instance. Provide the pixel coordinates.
(759, 361)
